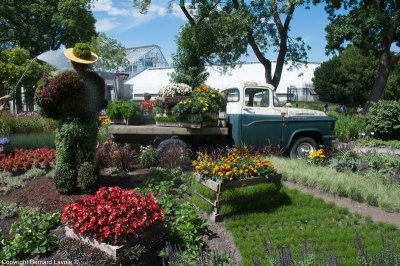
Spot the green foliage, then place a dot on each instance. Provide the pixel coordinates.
(148, 157)
(10, 124)
(307, 218)
(181, 119)
(13, 63)
(202, 204)
(88, 176)
(56, 23)
(8, 209)
(392, 90)
(392, 144)
(262, 202)
(345, 159)
(347, 78)
(124, 110)
(82, 50)
(111, 171)
(349, 128)
(10, 182)
(65, 180)
(146, 96)
(33, 173)
(209, 193)
(269, 189)
(32, 141)
(384, 119)
(31, 235)
(111, 53)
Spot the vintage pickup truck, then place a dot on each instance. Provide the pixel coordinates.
(254, 116)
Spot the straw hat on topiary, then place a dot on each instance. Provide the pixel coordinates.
(81, 54)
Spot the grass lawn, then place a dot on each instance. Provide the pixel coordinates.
(306, 218)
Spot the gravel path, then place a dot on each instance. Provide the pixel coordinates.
(377, 214)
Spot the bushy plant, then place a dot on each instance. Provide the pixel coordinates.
(65, 180)
(88, 176)
(148, 156)
(317, 157)
(113, 215)
(147, 96)
(33, 173)
(14, 124)
(345, 159)
(124, 110)
(82, 50)
(351, 127)
(121, 156)
(8, 209)
(384, 119)
(31, 235)
(237, 165)
(147, 106)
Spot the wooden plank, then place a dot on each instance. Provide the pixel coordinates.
(213, 203)
(154, 130)
(211, 184)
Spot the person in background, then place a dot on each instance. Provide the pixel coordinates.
(297, 105)
(5, 98)
(343, 109)
(360, 109)
(326, 108)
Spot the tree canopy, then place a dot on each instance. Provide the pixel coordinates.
(264, 25)
(112, 54)
(371, 26)
(42, 25)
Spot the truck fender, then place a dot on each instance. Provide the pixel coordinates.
(302, 132)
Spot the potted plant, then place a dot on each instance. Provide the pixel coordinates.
(237, 182)
(112, 219)
(124, 112)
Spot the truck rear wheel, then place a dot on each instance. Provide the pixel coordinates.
(173, 153)
(303, 146)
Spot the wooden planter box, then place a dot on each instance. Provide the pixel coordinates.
(218, 187)
(113, 251)
(178, 124)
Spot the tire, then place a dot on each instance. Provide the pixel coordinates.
(302, 146)
(173, 153)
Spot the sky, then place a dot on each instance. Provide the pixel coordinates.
(120, 20)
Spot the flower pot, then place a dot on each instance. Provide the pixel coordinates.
(219, 205)
(113, 251)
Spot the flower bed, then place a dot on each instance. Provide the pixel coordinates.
(22, 159)
(235, 183)
(113, 216)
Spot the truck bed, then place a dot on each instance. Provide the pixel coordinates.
(172, 131)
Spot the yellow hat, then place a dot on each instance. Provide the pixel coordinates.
(69, 54)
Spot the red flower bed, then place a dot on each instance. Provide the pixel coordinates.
(113, 215)
(22, 159)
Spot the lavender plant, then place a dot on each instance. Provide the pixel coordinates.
(388, 255)
(204, 257)
(284, 257)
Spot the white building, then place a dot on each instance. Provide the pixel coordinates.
(296, 83)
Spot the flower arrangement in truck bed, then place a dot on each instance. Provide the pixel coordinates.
(173, 90)
(203, 100)
(113, 215)
(238, 165)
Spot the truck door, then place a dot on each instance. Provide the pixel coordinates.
(261, 123)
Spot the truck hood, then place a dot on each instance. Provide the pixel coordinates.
(301, 112)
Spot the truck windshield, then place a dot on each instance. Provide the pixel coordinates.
(277, 102)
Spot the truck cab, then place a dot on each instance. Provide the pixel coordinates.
(255, 117)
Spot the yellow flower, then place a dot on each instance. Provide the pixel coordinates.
(230, 179)
(115, 152)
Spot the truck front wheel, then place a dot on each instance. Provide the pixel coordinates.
(303, 146)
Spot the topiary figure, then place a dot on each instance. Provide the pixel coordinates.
(74, 98)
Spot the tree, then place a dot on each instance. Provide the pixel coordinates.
(392, 90)
(42, 25)
(371, 26)
(13, 63)
(112, 54)
(264, 25)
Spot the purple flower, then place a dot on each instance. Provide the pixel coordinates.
(4, 141)
(103, 112)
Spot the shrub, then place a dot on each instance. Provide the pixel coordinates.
(14, 124)
(88, 176)
(147, 96)
(351, 127)
(33, 173)
(65, 180)
(121, 156)
(8, 209)
(113, 215)
(124, 110)
(148, 156)
(384, 118)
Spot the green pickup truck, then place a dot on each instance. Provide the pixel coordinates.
(254, 116)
